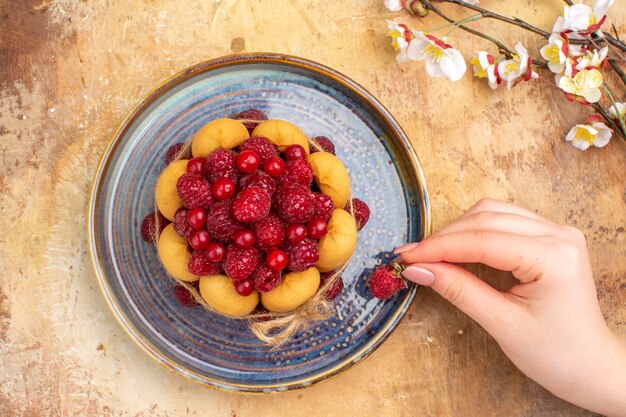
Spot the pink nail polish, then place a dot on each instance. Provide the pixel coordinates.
(405, 248)
(419, 275)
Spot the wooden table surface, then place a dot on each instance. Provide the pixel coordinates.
(71, 69)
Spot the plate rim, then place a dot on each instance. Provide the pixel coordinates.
(105, 161)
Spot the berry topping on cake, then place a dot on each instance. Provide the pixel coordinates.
(270, 232)
(199, 239)
(295, 152)
(244, 238)
(295, 233)
(316, 228)
(265, 278)
(181, 223)
(259, 179)
(251, 205)
(216, 251)
(277, 259)
(194, 191)
(299, 172)
(274, 166)
(262, 146)
(302, 255)
(247, 161)
(196, 217)
(220, 222)
(196, 166)
(295, 204)
(323, 205)
(244, 287)
(240, 263)
(220, 164)
(201, 265)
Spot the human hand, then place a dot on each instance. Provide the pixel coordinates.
(550, 324)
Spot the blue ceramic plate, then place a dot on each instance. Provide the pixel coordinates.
(212, 349)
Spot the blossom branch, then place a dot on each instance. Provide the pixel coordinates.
(514, 21)
(617, 70)
(620, 118)
(598, 108)
(503, 49)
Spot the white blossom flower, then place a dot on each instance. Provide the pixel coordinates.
(585, 84)
(582, 19)
(486, 67)
(590, 60)
(620, 112)
(400, 38)
(395, 5)
(593, 133)
(518, 68)
(440, 58)
(556, 52)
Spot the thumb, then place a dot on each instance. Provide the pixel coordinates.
(488, 306)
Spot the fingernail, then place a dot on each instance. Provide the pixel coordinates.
(405, 248)
(419, 275)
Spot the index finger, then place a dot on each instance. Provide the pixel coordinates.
(522, 255)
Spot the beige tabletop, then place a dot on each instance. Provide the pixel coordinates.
(71, 69)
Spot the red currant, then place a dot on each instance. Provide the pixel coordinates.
(316, 228)
(295, 152)
(244, 287)
(247, 161)
(196, 217)
(223, 188)
(199, 239)
(244, 238)
(295, 233)
(277, 259)
(216, 252)
(274, 166)
(196, 165)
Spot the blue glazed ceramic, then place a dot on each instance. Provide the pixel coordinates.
(211, 349)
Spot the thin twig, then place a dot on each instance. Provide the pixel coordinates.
(620, 118)
(569, 2)
(618, 70)
(514, 21)
(501, 47)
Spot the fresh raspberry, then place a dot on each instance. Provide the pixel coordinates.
(220, 164)
(201, 265)
(302, 255)
(323, 205)
(220, 222)
(262, 146)
(173, 151)
(259, 179)
(194, 191)
(251, 205)
(251, 118)
(240, 263)
(385, 282)
(149, 226)
(184, 296)
(324, 143)
(335, 289)
(269, 232)
(361, 212)
(295, 204)
(181, 223)
(265, 279)
(298, 171)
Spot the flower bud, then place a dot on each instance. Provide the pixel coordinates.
(416, 7)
